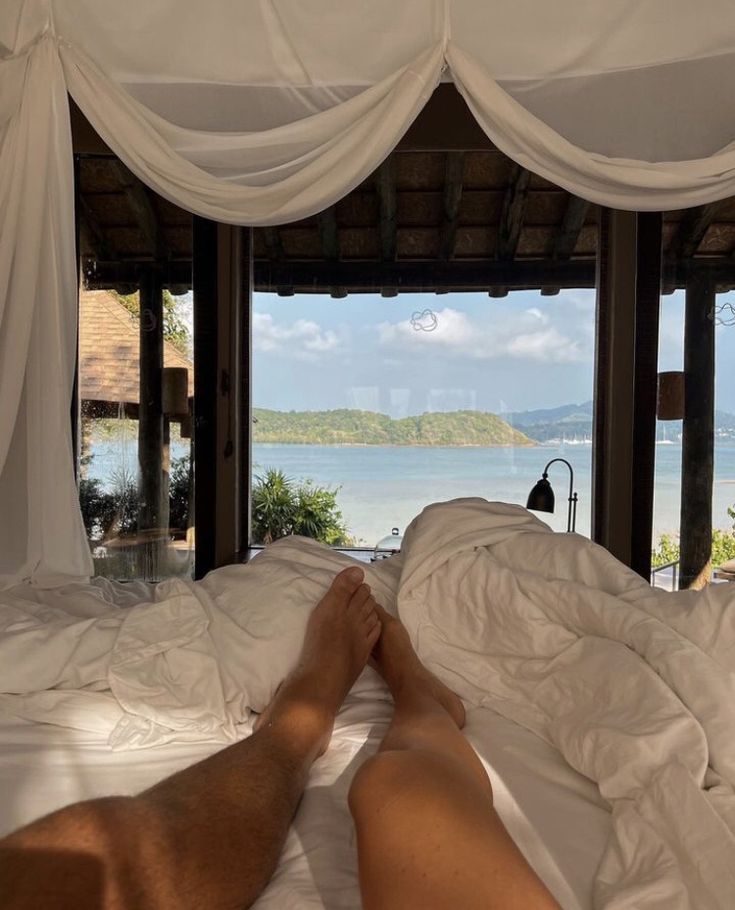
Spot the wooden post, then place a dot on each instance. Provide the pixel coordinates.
(150, 419)
(628, 284)
(645, 381)
(246, 394)
(697, 456)
(612, 453)
(75, 411)
(221, 397)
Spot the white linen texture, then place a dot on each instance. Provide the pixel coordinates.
(632, 685)
(268, 111)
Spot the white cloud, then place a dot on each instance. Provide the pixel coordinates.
(521, 335)
(303, 339)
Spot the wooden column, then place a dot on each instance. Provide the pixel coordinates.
(697, 459)
(612, 454)
(645, 380)
(628, 281)
(246, 394)
(221, 396)
(75, 409)
(150, 412)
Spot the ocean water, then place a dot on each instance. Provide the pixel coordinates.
(382, 487)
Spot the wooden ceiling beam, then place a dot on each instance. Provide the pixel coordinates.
(511, 217)
(404, 275)
(566, 239)
(329, 233)
(141, 205)
(428, 276)
(453, 177)
(692, 228)
(571, 227)
(385, 185)
(273, 244)
(94, 234)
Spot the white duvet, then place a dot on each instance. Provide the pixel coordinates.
(635, 687)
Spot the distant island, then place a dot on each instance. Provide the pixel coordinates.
(571, 423)
(353, 427)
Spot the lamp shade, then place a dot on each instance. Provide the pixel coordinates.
(541, 497)
(174, 391)
(670, 399)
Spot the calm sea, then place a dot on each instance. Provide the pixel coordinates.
(382, 487)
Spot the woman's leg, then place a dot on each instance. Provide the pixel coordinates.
(427, 834)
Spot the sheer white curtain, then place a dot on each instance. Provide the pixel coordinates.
(265, 111)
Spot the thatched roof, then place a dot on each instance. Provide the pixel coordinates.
(445, 211)
(109, 353)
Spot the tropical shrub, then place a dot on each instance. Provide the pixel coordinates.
(281, 506)
(723, 545)
(106, 514)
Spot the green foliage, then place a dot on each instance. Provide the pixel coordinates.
(106, 514)
(353, 427)
(178, 494)
(723, 545)
(280, 507)
(666, 551)
(175, 329)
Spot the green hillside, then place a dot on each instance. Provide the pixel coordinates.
(348, 427)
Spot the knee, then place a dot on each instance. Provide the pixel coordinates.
(387, 779)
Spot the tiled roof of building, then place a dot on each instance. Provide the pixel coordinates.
(109, 351)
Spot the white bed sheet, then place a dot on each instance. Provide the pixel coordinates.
(554, 814)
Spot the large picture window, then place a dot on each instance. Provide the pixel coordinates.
(366, 409)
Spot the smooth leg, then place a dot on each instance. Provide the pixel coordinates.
(427, 833)
(211, 835)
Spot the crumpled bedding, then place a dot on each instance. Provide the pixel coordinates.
(184, 662)
(635, 687)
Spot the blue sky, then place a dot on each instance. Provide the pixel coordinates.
(422, 352)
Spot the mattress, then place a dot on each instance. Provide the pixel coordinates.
(554, 814)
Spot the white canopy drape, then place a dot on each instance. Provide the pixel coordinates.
(266, 111)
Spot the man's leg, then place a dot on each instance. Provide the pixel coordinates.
(427, 833)
(211, 835)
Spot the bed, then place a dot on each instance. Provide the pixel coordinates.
(602, 708)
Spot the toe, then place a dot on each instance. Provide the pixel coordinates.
(360, 597)
(347, 581)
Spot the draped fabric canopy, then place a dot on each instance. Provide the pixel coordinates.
(266, 111)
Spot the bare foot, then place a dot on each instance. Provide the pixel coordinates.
(395, 659)
(340, 634)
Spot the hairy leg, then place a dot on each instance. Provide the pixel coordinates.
(427, 833)
(209, 836)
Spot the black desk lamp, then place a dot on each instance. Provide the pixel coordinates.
(541, 497)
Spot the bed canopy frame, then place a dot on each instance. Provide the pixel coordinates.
(281, 116)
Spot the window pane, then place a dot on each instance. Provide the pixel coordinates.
(123, 544)
(366, 409)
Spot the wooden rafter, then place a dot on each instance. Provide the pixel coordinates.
(454, 173)
(569, 231)
(329, 234)
(94, 234)
(692, 228)
(511, 218)
(273, 244)
(141, 205)
(571, 226)
(385, 184)
(511, 221)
